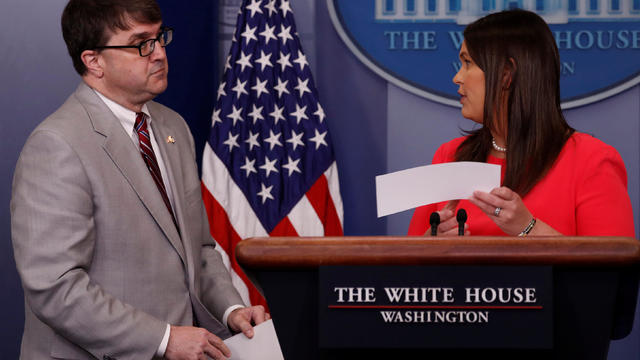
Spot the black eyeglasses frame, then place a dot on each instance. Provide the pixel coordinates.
(163, 30)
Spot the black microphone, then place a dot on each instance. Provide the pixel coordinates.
(434, 220)
(461, 216)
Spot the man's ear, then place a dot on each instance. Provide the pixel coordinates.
(91, 58)
(508, 73)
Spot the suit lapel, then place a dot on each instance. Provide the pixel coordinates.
(171, 154)
(126, 157)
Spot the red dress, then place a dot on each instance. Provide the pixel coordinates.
(584, 193)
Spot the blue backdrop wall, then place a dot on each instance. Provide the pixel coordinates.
(36, 76)
(376, 127)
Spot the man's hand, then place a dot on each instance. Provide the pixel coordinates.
(192, 343)
(241, 319)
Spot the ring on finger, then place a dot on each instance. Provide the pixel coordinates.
(496, 212)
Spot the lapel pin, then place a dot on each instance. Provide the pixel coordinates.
(170, 139)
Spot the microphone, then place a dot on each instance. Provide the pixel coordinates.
(461, 217)
(434, 220)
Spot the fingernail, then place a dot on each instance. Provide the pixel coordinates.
(249, 333)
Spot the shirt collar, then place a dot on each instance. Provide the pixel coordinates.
(126, 117)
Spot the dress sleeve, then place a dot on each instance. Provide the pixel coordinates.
(603, 207)
(420, 220)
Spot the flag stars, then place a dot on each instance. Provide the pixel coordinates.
(281, 87)
(239, 89)
(252, 140)
(285, 7)
(277, 114)
(265, 193)
(292, 166)
(269, 166)
(236, 115)
(266, 79)
(260, 87)
(273, 140)
(249, 166)
(283, 60)
(300, 113)
(302, 87)
(319, 139)
(232, 140)
(215, 118)
(271, 6)
(264, 60)
(221, 91)
(301, 60)
(254, 7)
(244, 61)
(285, 33)
(320, 113)
(256, 113)
(249, 34)
(267, 33)
(295, 139)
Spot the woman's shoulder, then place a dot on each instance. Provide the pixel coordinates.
(447, 151)
(589, 155)
(454, 143)
(586, 147)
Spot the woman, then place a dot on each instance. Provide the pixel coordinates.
(555, 181)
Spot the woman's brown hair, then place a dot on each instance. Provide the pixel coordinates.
(519, 57)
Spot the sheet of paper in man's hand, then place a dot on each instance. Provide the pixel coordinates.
(263, 346)
(407, 189)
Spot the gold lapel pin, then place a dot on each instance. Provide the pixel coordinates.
(170, 139)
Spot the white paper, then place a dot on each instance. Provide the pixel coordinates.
(263, 346)
(407, 189)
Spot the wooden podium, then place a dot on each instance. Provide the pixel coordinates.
(594, 286)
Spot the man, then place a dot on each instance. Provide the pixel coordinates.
(110, 236)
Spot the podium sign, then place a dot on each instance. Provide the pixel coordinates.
(435, 307)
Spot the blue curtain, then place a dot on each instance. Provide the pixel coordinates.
(193, 65)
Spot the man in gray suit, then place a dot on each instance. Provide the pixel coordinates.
(109, 231)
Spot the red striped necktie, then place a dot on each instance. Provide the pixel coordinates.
(149, 157)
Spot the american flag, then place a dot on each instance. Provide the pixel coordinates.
(268, 166)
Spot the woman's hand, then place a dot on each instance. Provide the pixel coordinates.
(505, 208)
(448, 223)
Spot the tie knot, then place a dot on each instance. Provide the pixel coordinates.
(141, 122)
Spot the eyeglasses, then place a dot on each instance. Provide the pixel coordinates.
(146, 47)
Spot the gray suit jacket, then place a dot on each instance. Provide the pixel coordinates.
(103, 266)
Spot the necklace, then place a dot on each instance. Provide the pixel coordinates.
(496, 147)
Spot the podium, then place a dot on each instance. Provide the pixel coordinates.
(593, 284)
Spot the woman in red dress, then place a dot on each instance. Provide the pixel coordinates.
(555, 181)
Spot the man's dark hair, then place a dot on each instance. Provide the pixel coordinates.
(87, 24)
(521, 44)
